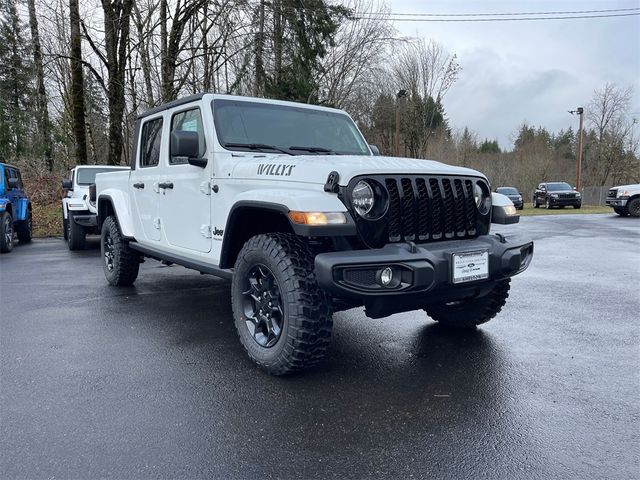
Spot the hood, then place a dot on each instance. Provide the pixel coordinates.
(316, 168)
(633, 186)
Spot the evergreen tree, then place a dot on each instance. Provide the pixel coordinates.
(16, 84)
(489, 146)
(302, 31)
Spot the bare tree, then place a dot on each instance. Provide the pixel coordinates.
(607, 115)
(42, 103)
(77, 84)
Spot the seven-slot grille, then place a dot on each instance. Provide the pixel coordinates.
(423, 209)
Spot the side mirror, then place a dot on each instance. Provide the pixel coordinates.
(187, 145)
(67, 184)
(375, 150)
(13, 183)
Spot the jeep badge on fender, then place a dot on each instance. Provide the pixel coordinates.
(305, 221)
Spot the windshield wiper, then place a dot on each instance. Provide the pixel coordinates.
(314, 150)
(256, 146)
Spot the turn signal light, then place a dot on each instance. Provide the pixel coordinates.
(318, 218)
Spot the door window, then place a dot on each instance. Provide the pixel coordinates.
(188, 121)
(150, 145)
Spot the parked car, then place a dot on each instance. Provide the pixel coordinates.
(289, 202)
(78, 212)
(15, 208)
(625, 199)
(514, 195)
(556, 194)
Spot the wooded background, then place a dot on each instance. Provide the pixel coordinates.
(75, 73)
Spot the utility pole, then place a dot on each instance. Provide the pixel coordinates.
(401, 94)
(580, 112)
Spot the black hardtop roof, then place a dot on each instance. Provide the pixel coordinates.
(9, 165)
(174, 103)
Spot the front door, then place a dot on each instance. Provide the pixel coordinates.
(185, 194)
(144, 180)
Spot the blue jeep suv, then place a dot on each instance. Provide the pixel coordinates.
(15, 208)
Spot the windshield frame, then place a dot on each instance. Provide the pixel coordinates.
(558, 184)
(292, 106)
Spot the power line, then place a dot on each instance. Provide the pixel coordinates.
(502, 19)
(503, 14)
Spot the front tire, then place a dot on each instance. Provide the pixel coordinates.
(535, 203)
(121, 263)
(25, 229)
(467, 314)
(547, 204)
(65, 228)
(633, 207)
(282, 317)
(76, 234)
(577, 207)
(621, 211)
(6, 232)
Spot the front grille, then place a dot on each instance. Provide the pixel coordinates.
(566, 195)
(423, 209)
(612, 193)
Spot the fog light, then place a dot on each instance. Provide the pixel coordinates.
(386, 277)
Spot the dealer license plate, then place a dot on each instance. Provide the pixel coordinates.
(470, 266)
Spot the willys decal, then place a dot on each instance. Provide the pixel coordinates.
(275, 169)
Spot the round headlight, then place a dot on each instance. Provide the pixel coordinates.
(362, 198)
(482, 197)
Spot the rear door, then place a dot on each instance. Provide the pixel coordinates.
(15, 194)
(185, 199)
(143, 180)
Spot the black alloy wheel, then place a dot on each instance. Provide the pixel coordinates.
(633, 207)
(262, 305)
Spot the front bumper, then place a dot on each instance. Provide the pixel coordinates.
(426, 268)
(617, 202)
(88, 220)
(564, 201)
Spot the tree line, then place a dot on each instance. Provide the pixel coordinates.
(76, 74)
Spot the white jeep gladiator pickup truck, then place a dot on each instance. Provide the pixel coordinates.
(78, 212)
(625, 200)
(290, 203)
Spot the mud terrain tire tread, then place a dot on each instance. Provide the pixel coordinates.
(126, 262)
(472, 312)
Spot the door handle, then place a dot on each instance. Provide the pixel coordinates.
(138, 185)
(166, 185)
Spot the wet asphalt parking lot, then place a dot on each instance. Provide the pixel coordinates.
(151, 381)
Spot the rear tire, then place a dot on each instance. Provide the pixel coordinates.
(121, 263)
(633, 207)
(470, 313)
(282, 317)
(76, 234)
(25, 229)
(6, 232)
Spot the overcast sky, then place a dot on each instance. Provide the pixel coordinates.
(530, 71)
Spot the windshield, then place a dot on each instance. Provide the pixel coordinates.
(507, 191)
(87, 176)
(556, 187)
(267, 127)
